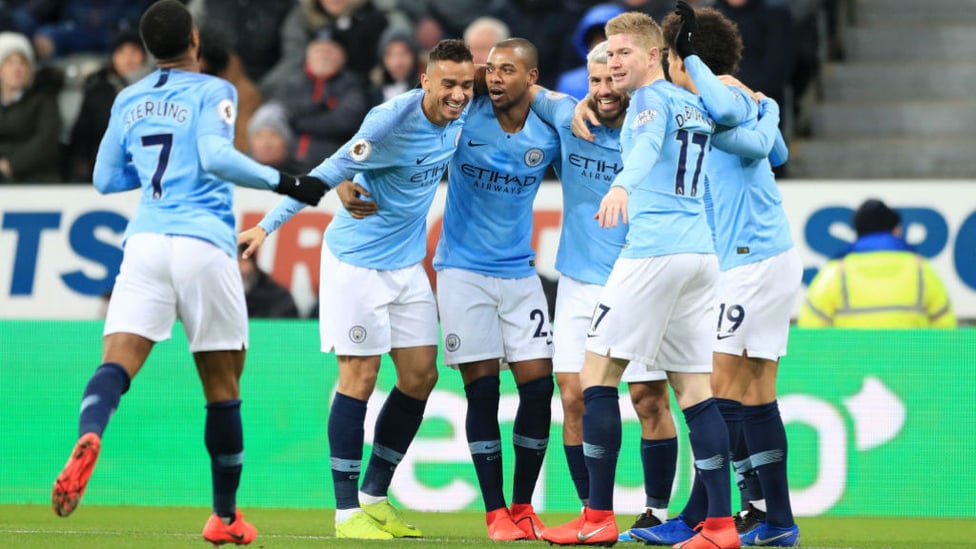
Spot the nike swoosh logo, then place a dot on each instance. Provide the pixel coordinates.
(473, 144)
(590, 335)
(760, 541)
(421, 159)
(724, 337)
(237, 537)
(585, 537)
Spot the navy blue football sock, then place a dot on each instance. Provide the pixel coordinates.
(530, 435)
(766, 438)
(731, 411)
(710, 446)
(578, 472)
(396, 426)
(106, 386)
(346, 419)
(659, 458)
(750, 489)
(601, 443)
(485, 439)
(224, 438)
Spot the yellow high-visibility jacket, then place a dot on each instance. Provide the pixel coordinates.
(877, 289)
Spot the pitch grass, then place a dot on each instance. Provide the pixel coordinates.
(36, 526)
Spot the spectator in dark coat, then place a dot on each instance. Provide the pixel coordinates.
(589, 32)
(30, 123)
(218, 58)
(398, 69)
(101, 87)
(265, 298)
(254, 28)
(271, 139)
(325, 104)
(354, 24)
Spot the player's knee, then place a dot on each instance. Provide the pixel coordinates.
(418, 383)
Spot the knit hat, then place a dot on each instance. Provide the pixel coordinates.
(14, 42)
(128, 36)
(873, 216)
(271, 116)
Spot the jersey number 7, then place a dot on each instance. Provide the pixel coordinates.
(165, 143)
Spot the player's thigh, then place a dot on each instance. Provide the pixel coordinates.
(524, 315)
(413, 311)
(354, 308)
(210, 294)
(575, 301)
(753, 306)
(686, 345)
(143, 298)
(468, 307)
(634, 309)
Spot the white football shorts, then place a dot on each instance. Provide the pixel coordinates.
(656, 311)
(368, 312)
(575, 303)
(753, 304)
(484, 317)
(165, 277)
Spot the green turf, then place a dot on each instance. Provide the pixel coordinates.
(101, 527)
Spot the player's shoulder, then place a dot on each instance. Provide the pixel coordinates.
(382, 120)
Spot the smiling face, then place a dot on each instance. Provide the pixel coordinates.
(629, 62)
(507, 77)
(611, 103)
(448, 87)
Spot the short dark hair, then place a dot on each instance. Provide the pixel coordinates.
(874, 216)
(529, 53)
(166, 28)
(450, 50)
(717, 41)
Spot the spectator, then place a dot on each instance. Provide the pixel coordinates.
(879, 282)
(325, 103)
(124, 67)
(30, 123)
(270, 138)
(589, 33)
(482, 34)
(76, 26)
(354, 24)
(548, 24)
(769, 50)
(253, 29)
(399, 66)
(218, 58)
(436, 19)
(265, 298)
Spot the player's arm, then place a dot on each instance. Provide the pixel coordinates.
(215, 147)
(755, 143)
(725, 105)
(112, 173)
(554, 108)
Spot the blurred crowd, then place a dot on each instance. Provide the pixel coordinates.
(307, 71)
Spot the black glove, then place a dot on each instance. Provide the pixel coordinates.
(684, 42)
(301, 187)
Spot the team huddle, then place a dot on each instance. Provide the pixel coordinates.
(676, 262)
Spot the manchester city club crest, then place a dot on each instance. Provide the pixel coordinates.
(534, 157)
(357, 334)
(452, 342)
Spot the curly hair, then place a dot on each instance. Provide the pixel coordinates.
(717, 40)
(450, 50)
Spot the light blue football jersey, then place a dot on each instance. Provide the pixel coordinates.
(171, 133)
(747, 217)
(399, 156)
(492, 181)
(664, 140)
(586, 250)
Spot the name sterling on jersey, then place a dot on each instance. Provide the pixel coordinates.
(491, 180)
(166, 109)
(595, 168)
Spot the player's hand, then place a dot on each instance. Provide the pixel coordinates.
(766, 105)
(253, 237)
(684, 43)
(350, 194)
(584, 116)
(730, 80)
(613, 207)
(302, 188)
